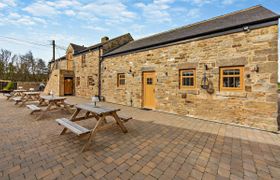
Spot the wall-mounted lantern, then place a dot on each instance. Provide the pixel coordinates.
(246, 29)
(204, 81)
(256, 68)
(130, 71)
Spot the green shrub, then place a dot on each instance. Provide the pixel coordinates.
(9, 86)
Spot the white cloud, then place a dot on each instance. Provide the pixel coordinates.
(69, 12)
(158, 10)
(228, 2)
(200, 2)
(112, 10)
(2, 5)
(96, 28)
(18, 20)
(9, 2)
(40, 8)
(193, 13)
(63, 3)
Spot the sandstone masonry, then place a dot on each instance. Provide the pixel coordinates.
(246, 39)
(255, 106)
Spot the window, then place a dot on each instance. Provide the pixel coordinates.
(90, 81)
(78, 81)
(187, 79)
(149, 80)
(83, 60)
(231, 78)
(121, 79)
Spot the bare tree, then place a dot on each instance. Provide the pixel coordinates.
(21, 67)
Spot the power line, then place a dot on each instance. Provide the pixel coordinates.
(61, 47)
(25, 41)
(33, 43)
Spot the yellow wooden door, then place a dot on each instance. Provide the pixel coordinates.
(149, 80)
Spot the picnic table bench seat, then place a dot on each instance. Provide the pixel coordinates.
(72, 126)
(33, 108)
(69, 104)
(8, 95)
(17, 99)
(125, 118)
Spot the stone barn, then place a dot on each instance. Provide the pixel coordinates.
(223, 69)
(77, 73)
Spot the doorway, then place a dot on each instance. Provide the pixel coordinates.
(68, 86)
(149, 81)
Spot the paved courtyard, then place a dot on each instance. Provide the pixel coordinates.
(157, 146)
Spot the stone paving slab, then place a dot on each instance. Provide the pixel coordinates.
(157, 146)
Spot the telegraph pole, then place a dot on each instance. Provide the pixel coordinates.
(53, 46)
(53, 59)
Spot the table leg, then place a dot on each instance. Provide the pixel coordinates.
(24, 98)
(119, 122)
(41, 101)
(93, 133)
(73, 117)
(43, 112)
(65, 106)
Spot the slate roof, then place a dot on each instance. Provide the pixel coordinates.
(99, 44)
(77, 48)
(253, 15)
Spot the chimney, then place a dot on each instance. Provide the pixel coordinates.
(104, 39)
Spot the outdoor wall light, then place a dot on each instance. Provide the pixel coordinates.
(206, 67)
(246, 29)
(130, 71)
(256, 68)
(204, 82)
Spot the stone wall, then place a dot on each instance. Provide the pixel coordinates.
(28, 85)
(61, 64)
(116, 42)
(53, 83)
(90, 68)
(255, 106)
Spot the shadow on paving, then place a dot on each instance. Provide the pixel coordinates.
(34, 150)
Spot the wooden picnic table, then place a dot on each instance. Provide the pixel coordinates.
(52, 101)
(18, 92)
(91, 111)
(30, 96)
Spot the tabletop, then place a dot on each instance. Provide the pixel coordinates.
(53, 98)
(32, 93)
(20, 90)
(96, 109)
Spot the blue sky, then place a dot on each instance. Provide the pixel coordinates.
(85, 22)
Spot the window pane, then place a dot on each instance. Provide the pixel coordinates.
(231, 72)
(188, 82)
(121, 76)
(122, 81)
(149, 80)
(187, 73)
(231, 82)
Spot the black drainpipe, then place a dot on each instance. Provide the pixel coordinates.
(99, 72)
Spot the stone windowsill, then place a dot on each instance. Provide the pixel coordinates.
(120, 88)
(188, 91)
(231, 94)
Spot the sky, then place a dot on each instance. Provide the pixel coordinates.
(32, 24)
